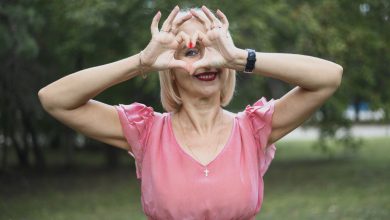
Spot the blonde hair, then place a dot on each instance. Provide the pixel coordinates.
(170, 97)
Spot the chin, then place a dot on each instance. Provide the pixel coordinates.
(209, 83)
(204, 84)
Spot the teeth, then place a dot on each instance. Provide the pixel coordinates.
(206, 76)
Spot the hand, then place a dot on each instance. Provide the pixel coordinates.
(220, 51)
(159, 53)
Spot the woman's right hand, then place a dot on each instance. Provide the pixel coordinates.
(159, 53)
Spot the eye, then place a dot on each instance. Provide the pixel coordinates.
(191, 53)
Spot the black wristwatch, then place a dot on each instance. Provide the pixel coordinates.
(250, 61)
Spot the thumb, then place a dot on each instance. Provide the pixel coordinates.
(179, 64)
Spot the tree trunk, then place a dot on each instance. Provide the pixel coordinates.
(357, 109)
(39, 159)
(276, 87)
(111, 157)
(3, 128)
(69, 147)
(20, 152)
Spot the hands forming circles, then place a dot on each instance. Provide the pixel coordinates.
(219, 47)
(159, 53)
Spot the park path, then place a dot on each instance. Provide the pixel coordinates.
(363, 131)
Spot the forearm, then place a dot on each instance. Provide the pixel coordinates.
(77, 88)
(308, 72)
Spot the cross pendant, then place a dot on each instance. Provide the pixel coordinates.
(206, 172)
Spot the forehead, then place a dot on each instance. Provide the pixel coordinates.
(190, 26)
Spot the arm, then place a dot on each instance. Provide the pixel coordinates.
(69, 99)
(315, 79)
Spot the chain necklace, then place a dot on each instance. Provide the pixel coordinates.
(206, 170)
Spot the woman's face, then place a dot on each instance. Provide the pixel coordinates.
(205, 81)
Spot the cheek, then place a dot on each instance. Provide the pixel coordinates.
(180, 74)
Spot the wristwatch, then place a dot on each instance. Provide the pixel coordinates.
(250, 61)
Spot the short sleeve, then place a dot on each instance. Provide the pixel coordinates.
(260, 118)
(136, 120)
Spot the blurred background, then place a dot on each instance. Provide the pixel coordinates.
(336, 166)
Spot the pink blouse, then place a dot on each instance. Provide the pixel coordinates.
(175, 186)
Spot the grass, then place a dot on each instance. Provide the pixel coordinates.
(303, 184)
(300, 184)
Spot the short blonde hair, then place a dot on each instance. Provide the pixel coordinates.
(170, 97)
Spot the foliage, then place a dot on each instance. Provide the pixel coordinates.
(42, 41)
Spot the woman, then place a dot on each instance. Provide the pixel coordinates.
(197, 160)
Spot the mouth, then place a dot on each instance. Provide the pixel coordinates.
(206, 76)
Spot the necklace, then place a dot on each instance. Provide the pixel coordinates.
(206, 170)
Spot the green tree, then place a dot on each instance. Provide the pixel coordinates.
(42, 41)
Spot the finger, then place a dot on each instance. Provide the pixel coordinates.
(211, 16)
(179, 64)
(176, 23)
(202, 63)
(223, 18)
(182, 37)
(154, 25)
(168, 22)
(194, 39)
(202, 37)
(202, 18)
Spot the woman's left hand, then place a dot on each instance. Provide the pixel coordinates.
(220, 51)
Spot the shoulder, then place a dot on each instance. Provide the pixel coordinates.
(261, 109)
(138, 111)
(137, 119)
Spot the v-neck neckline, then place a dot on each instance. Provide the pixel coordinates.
(191, 157)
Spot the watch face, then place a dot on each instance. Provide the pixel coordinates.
(250, 65)
(251, 54)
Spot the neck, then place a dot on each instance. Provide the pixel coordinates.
(201, 114)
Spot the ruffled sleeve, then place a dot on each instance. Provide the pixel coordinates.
(260, 117)
(136, 120)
